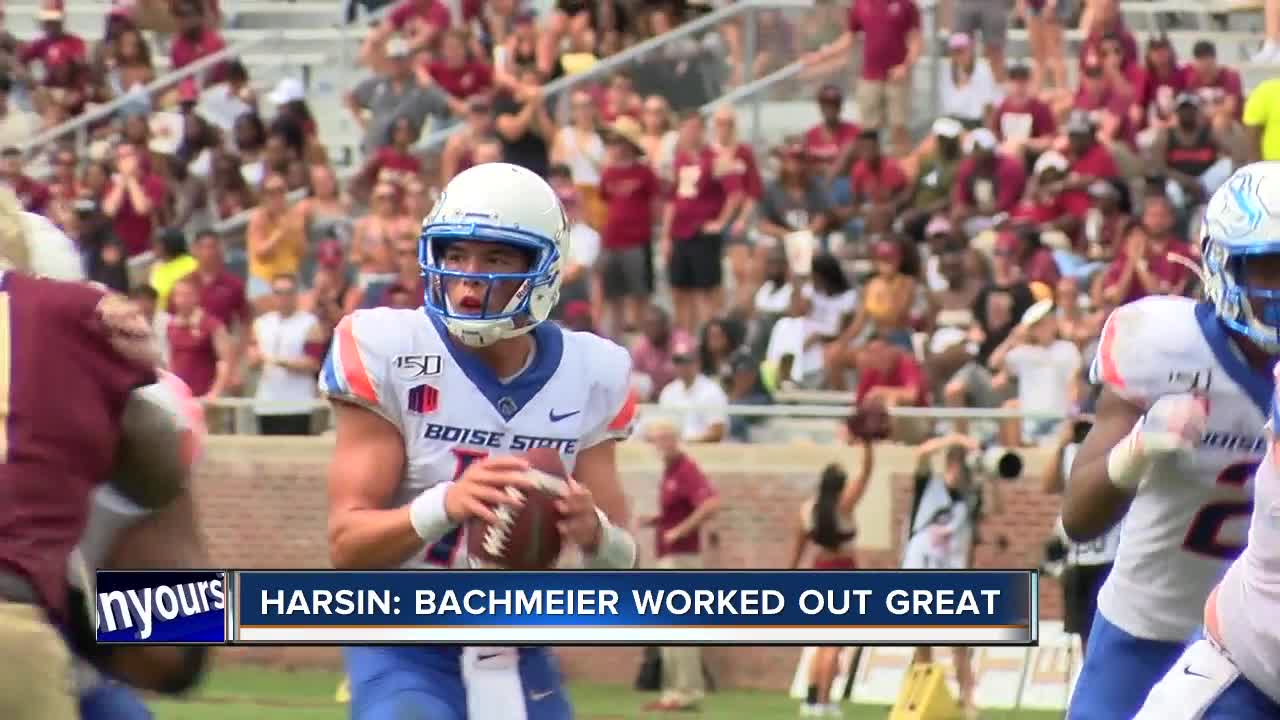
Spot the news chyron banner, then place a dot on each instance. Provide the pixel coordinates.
(575, 607)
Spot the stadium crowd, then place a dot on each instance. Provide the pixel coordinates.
(969, 268)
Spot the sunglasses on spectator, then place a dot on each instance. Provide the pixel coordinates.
(274, 189)
(384, 196)
(284, 290)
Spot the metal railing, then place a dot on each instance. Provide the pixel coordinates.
(242, 412)
(81, 123)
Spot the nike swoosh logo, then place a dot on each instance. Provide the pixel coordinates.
(536, 696)
(487, 657)
(1188, 671)
(557, 418)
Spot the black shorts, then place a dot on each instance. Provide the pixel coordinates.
(1080, 586)
(695, 262)
(625, 273)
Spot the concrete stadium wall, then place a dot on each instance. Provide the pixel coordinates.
(262, 505)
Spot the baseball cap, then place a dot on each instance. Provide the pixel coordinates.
(1036, 313)
(1050, 160)
(1188, 98)
(290, 90)
(939, 225)
(947, 127)
(682, 352)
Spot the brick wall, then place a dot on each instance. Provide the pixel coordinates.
(262, 505)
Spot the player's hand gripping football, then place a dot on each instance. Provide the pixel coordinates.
(580, 524)
(483, 486)
(1173, 424)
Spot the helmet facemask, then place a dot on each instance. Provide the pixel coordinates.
(1243, 306)
(536, 289)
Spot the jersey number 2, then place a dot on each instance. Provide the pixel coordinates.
(1203, 535)
(441, 552)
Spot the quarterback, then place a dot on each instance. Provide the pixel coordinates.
(432, 410)
(1177, 442)
(1234, 670)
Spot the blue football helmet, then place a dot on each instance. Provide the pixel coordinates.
(1242, 224)
(499, 203)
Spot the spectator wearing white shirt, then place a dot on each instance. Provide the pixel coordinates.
(707, 421)
(968, 88)
(824, 307)
(147, 300)
(1045, 367)
(289, 346)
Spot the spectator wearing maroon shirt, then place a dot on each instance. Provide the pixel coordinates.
(632, 194)
(420, 22)
(33, 194)
(686, 501)
(194, 40)
(456, 72)
(735, 165)
(199, 346)
(876, 181)
(1087, 160)
(891, 45)
(1105, 20)
(394, 162)
(221, 294)
(1219, 87)
(1108, 105)
(56, 45)
(1023, 246)
(134, 200)
(987, 183)
(1142, 267)
(889, 377)
(692, 227)
(830, 143)
(1162, 82)
(1022, 122)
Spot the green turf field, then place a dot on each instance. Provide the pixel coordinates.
(253, 693)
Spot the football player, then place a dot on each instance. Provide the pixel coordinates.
(1234, 670)
(78, 392)
(1175, 446)
(432, 408)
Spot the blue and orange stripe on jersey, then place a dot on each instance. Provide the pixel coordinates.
(345, 374)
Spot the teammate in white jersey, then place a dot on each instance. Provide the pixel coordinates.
(430, 408)
(1234, 671)
(1176, 443)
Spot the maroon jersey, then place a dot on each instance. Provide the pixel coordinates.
(63, 388)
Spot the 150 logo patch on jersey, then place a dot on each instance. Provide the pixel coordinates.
(412, 367)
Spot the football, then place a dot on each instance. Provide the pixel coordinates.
(525, 537)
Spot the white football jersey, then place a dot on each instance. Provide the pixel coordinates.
(1190, 517)
(451, 408)
(1246, 627)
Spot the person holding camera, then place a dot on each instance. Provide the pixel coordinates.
(1081, 567)
(826, 521)
(943, 525)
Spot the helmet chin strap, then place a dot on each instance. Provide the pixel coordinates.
(1188, 264)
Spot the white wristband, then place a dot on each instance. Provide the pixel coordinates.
(617, 550)
(428, 516)
(1125, 466)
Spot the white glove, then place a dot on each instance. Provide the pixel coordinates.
(1173, 424)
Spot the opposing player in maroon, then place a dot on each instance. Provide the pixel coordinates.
(78, 394)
